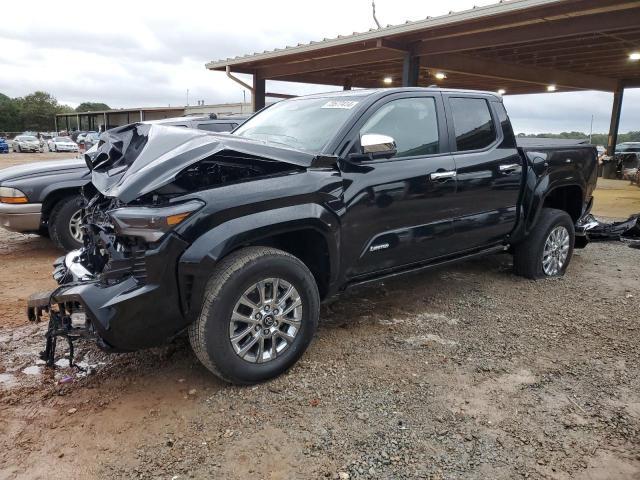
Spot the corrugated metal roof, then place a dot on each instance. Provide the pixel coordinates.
(502, 7)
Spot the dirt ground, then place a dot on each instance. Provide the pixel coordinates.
(463, 372)
(11, 159)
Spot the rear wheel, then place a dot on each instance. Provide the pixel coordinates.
(548, 249)
(64, 223)
(259, 315)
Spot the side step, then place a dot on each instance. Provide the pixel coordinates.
(422, 267)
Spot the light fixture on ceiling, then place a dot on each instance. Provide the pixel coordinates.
(440, 75)
(634, 56)
(551, 88)
(387, 80)
(502, 91)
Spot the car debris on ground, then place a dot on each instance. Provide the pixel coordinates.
(626, 230)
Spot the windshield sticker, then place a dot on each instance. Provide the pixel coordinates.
(344, 104)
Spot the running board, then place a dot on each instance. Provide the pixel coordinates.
(422, 267)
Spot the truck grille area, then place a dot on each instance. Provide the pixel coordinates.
(109, 257)
(125, 263)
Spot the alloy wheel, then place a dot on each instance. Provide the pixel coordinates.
(74, 226)
(265, 320)
(556, 251)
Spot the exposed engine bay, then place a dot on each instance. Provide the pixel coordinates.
(222, 169)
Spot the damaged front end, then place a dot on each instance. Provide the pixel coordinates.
(121, 289)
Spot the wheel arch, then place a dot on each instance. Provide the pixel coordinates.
(54, 194)
(309, 232)
(565, 196)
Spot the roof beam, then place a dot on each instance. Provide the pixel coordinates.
(330, 63)
(466, 64)
(529, 33)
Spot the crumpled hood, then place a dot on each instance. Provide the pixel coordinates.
(136, 159)
(40, 168)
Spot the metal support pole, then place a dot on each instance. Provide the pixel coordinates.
(141, 116)
(615, 120)
(258, 96)
(104, 127)
(77, 122)
(55, 124)
(410, 70)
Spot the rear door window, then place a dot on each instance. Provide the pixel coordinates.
(473, 125)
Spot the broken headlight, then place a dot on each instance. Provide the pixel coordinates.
(151, 223)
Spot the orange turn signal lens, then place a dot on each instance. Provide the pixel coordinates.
(13, 200)
(177, 218)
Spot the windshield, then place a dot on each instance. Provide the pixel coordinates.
(62, 139)
(28, 138)
(92, 136)
(306, 124)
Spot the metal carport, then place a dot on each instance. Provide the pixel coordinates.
(519, 46)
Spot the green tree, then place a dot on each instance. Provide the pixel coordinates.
(9, 115)
(37, 111)
(92, 107)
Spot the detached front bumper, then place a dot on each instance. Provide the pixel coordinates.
(139, 310)
(21, 217)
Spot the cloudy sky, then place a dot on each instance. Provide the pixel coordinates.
(143, 53)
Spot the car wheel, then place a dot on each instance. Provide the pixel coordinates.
(259, 315)
(64, 223)
(18, 149)
(548, 249)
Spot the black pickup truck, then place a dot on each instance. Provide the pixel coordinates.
(238, 238)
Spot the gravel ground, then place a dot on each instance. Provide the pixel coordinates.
(468, 372)
(464, 372)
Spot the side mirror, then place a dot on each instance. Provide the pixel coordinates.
(376, 145)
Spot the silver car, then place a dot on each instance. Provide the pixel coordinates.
(26, 143)
(62, 144)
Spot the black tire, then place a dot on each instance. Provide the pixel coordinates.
(59, 220)
(209, 334)
(528, 255)
(19, 150)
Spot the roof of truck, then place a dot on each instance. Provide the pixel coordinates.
(365, 92)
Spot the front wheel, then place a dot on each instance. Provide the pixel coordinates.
(65, 223)
(548, 249)
(259, 315)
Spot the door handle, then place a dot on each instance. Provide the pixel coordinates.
(508, 168)
(442, 175)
